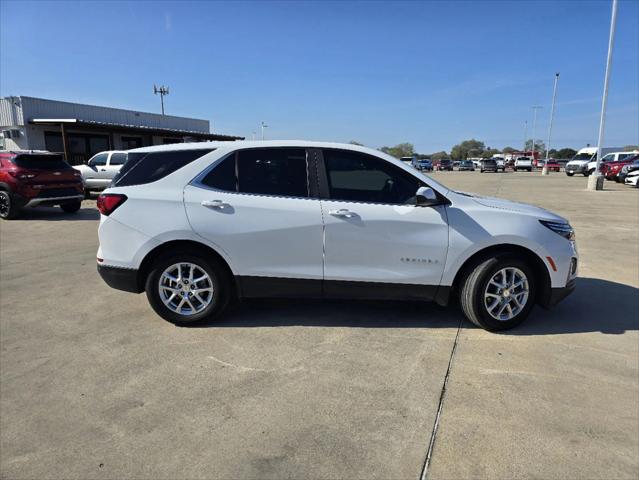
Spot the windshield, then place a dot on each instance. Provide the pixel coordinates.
(583, 156)
(40, 162)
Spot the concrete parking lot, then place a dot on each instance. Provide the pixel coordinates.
(94, 385)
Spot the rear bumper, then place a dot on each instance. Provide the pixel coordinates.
(34, 202)
(125, 279)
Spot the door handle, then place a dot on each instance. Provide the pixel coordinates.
(342, 212)
(214, 204)
(103, 169)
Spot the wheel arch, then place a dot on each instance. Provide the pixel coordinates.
(193, 247)
(537, 264)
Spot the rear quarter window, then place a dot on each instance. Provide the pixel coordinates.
(141, 168)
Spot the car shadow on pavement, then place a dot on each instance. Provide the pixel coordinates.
(595, 306)
(56, 214)
(338, 313)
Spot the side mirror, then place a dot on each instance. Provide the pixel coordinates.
(426, 196)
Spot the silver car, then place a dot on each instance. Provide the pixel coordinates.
(100, 169)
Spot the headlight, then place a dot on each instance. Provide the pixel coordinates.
(560, 228)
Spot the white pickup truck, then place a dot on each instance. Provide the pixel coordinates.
(100, 170)
(523, 163)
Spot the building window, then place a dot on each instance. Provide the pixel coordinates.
(53, 142)
(131, 142)
(83, 146)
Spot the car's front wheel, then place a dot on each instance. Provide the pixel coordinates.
(186, 288)
(498, 293)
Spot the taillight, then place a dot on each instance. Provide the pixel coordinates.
(20, 175)
(108, 202)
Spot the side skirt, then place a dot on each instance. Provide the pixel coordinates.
(274, 287)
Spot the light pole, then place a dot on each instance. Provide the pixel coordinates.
(595, 181)
(264, 125)
(535, 108)
(544, 171)
(525, 135)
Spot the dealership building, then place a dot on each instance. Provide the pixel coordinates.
(80, 131)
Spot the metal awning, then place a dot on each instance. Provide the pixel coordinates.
(119, 127)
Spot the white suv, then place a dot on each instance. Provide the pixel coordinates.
(197, 225)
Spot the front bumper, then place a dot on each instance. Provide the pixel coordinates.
(575, 168)
(125, 279)
(558, 294)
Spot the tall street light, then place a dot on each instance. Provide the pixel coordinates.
(264, 125)
(595, 181)
(534, 108)
(544, 171)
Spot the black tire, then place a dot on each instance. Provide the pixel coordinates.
(474, 285)
(586, 173)
(570, 174)
(8, 208)
(71, 207)
(87, 193)
(218, 275)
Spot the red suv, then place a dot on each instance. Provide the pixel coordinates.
(29, 179)
(611, 170)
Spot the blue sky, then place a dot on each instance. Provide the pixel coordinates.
(429, 73)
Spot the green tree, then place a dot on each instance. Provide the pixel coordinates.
(400, 150)
(566, 153)
(437, 156)
(353, 142)
(508, 150)
(630, 148)
(467, 149)
(539, 145)
(488, 153)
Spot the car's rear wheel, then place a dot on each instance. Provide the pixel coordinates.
(186, 288)
(8, 208)
(498, 293)
(71, 207)
(570, 174)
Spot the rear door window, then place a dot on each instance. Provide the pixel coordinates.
(148, 167)
(273, 171)
(262, 171)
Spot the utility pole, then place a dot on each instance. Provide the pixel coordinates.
(264, 125)
(525, 135)
(544, 171)
(595, 181)
(535, 108)
(162, 91)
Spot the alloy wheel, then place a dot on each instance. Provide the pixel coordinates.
(506, 294)
(185, 288)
